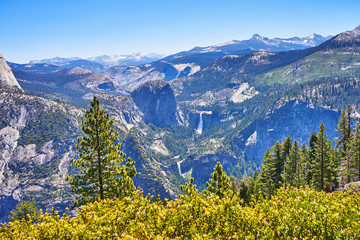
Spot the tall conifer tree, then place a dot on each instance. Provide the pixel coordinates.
(311, 155)
(268, 175)
(343, 143)
(102, 174)
(355, 152)
(322, 169)
(219, 183)
(278, 164)
(294, 166)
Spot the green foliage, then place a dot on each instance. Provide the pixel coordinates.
(343, 143)
(279, 155)
(290, 214)
(189, 188)
(324, 165)
(219, 183)
(102, 174)
(244, 193)
(295, 167)
(49, 126)
(266, 177)
(25, 211)
(311, 157)
(355, 152)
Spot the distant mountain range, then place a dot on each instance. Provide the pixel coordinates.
(256, 43)
(132, 70)
(105, 60)
(226, 103)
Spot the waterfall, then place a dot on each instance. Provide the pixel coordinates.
(179, 166)
(157, 107)
(200, 126)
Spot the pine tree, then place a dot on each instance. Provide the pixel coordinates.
(268, 174)
(294, 166)
(355, 152)
(234, 185)
(304, 165)
(278, 164)
(102, 172)
(311, 155)
(244, 192)
(343, 143)
(189, 188)
(322, 169)
(219, 183)
(286, 147)
(254, 183)
(25, 210)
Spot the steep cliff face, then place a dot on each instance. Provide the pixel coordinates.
(7, 78)
(295, 119)
(156, 101)
(68, 85)
(36, 139)
(121, 109)
(150, 175)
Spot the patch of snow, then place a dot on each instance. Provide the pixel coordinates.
(232, 56)
(226, 43)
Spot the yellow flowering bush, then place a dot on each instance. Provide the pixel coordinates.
(290, 214)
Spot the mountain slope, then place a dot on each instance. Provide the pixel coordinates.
(212, 91)
(257, 43)
(340, 56)
(37, 139)
(187, 63)
(68, 85)
(7, 78)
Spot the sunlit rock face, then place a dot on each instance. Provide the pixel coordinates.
(295, 119)
(7, 79)
(156, 101)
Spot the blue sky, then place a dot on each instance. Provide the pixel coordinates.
(40, 29)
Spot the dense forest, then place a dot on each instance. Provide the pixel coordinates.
(299, 193)
(319, 164)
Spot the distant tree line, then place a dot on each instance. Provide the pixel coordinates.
(318, 164)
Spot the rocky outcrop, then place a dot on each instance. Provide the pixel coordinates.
(36, 139)
(295, 119)
(150, 176)
(121, 108)
(353, 186)
(156, 101)
(7, 78)
(68, 85)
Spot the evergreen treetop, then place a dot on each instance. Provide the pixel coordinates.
(219, 183)
(102, 174)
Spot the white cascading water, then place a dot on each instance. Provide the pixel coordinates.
(200, 126)
(157, 107)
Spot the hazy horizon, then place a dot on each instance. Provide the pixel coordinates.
(47, 29)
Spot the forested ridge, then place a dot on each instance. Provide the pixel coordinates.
(298, 194)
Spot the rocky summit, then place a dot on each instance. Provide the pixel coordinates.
(156, 101)
(7, 78)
